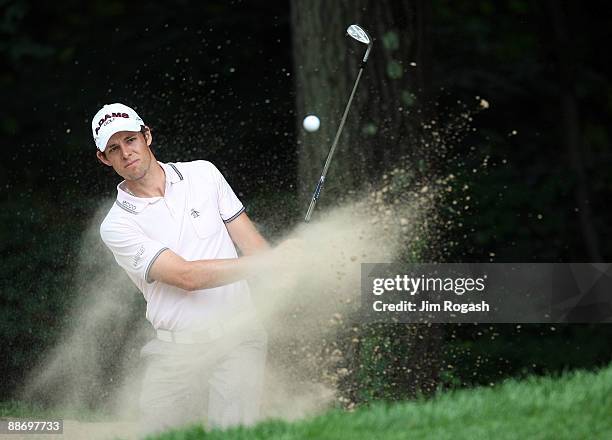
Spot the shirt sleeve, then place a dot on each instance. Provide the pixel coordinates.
(133, 250)
(230, 206)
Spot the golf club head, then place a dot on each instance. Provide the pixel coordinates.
(360, 34)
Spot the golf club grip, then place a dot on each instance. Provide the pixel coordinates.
(315, 197)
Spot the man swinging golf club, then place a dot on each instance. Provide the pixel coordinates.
(173, 229)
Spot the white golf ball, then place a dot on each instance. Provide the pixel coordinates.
(311, 123)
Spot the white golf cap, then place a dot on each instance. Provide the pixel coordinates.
(111, 119)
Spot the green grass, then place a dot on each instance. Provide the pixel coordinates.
(18, 409)
(577, 405)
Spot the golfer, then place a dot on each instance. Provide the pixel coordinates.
(173, 229)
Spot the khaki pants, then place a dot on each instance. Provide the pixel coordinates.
(217, 383)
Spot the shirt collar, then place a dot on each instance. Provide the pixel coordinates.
(173, 175)
(134, 204)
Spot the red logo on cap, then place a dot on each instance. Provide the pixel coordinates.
(107, 117)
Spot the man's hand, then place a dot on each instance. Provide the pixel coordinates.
(280, 268)
(288, 256)
(290, 247)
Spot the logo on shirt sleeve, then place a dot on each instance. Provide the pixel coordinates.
(194, 213)
(138, 256)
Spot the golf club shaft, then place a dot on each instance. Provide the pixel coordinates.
(317, 191)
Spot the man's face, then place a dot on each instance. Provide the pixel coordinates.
(128, 153)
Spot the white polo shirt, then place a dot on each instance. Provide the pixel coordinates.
(189, 220)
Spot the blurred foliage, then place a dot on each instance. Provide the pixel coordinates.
(38, 266)
(485, 354)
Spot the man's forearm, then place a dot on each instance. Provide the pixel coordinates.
(206, 274)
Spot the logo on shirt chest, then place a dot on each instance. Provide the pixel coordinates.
(204, 217)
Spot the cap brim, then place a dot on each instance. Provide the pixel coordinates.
(115, 127)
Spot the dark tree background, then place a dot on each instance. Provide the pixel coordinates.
(229, 82)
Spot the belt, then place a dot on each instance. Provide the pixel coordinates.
(211, 333)
(191, 337)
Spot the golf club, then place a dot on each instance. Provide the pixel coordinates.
(359, 34)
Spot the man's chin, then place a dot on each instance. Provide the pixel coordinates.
(133, 175)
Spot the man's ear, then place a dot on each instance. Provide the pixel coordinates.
(148, 136)
(102, 158)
